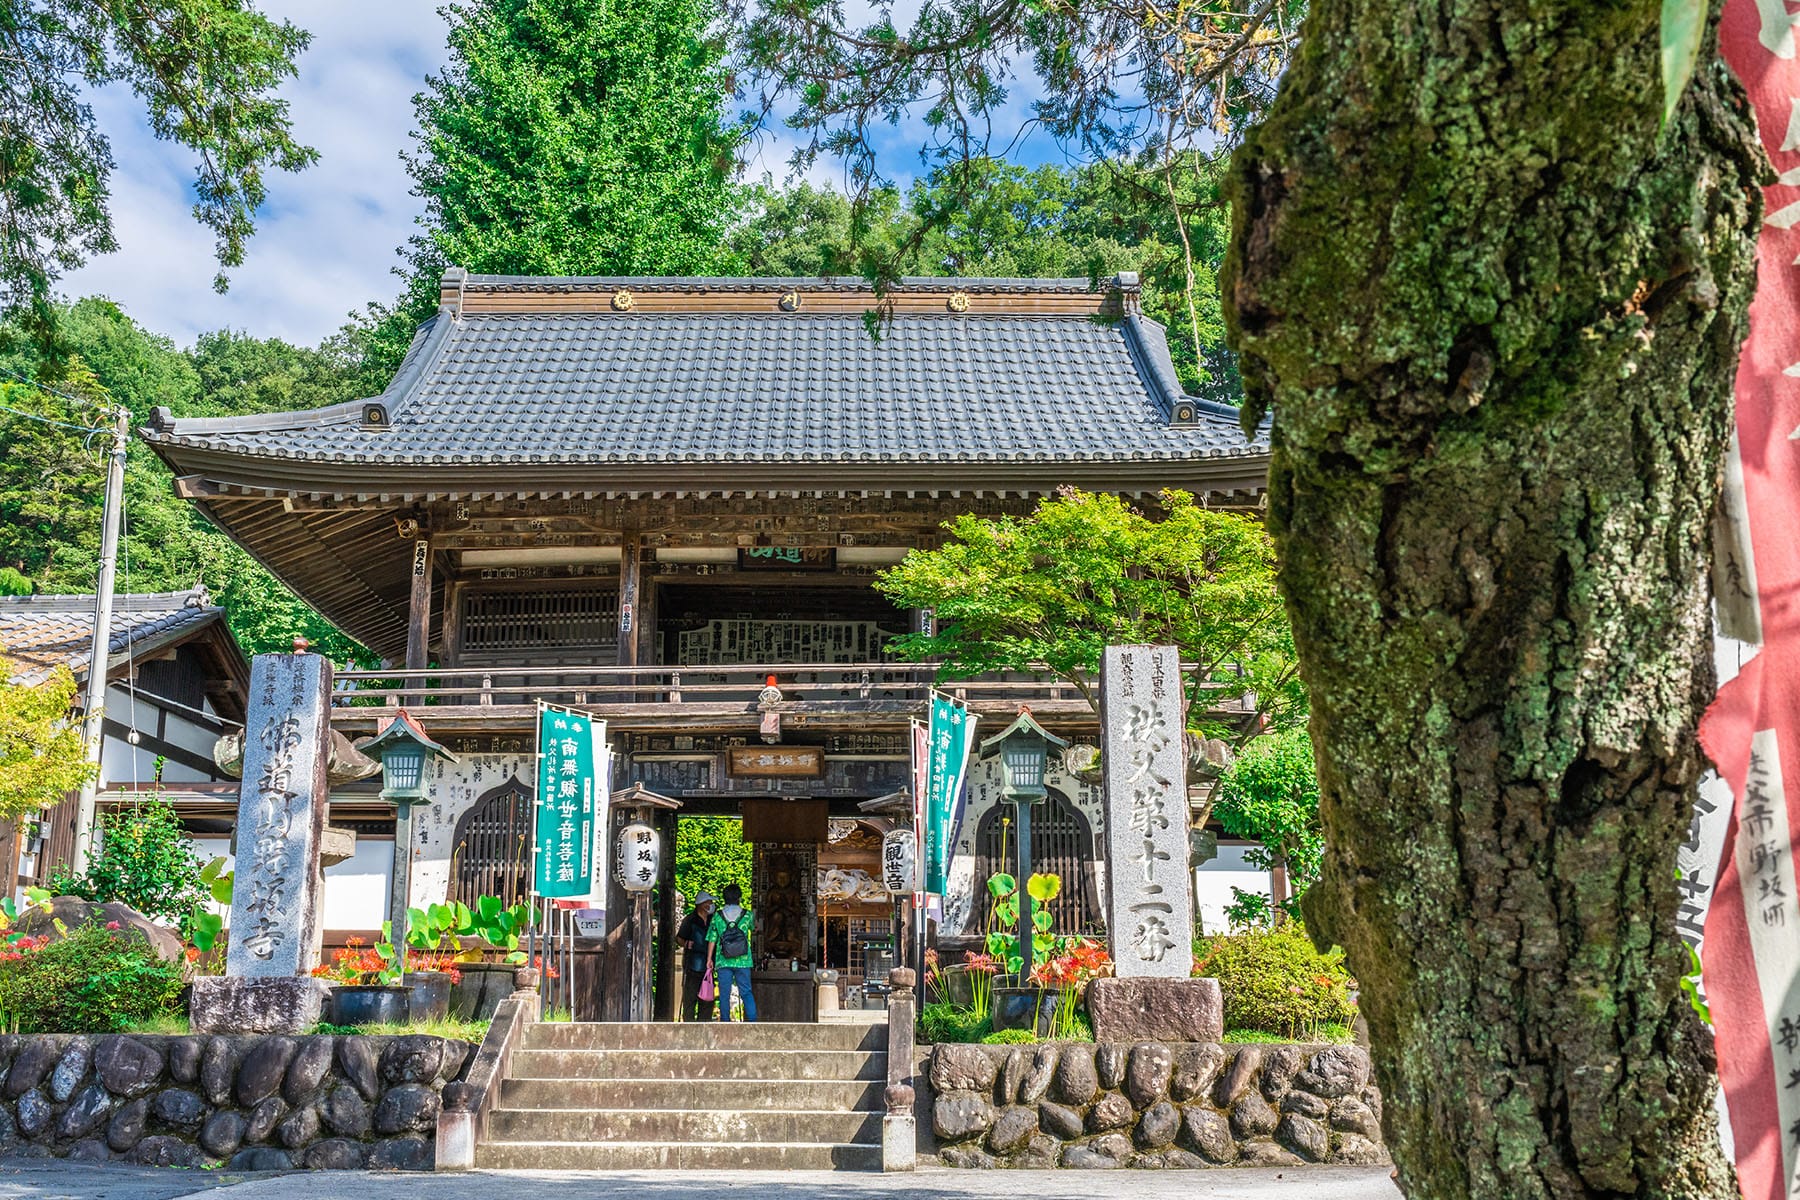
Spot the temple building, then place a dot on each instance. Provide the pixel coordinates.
(663, 501)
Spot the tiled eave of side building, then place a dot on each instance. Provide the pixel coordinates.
(713, 389)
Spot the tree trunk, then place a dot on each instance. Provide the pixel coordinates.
(1496, 311)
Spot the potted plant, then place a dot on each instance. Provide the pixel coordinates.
(1017, 1003)
(369, 990)
(487, 940)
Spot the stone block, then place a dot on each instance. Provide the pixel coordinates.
(1156, 1010)
(223, 1133)
(407, 1108)
(1111, 1111)
(1159, 1125)
(265, 1065)
(1060, 1121)
(1207, 1133)
(899, 1142)
(161, 1150)
(127, 1066)
(1305, 1137)
(34, 1062)
(333, 1154)
(71, 1069)
(261, 1158)
(90, 1106)
(1077, 1081)
(1012, 1130)
(401, 1154)
(229, 1004)
(308, 1069)
(127, 1125)
(962, 1115)
(1147, 1073)
(281, 822)
(1197, 1068)
(1280, 1065)
(1336, 1071)
(1149, 885)
(1037, 1080)
(956, 1067)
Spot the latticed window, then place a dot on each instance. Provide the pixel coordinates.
(541, 625)
(492, 851)
(1062, 843)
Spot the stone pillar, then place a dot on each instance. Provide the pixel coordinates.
(276, 900)
(1150, 909)
(899, 1125)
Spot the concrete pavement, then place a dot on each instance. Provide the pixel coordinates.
(75, 1181)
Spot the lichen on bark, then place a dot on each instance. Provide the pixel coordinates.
(1495, 308)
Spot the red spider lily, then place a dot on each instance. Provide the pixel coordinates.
(114, 926)
(549, 972)
(982, 964)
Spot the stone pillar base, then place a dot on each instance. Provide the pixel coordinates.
(277, 1004)
(1156, 1010)
(899, 1142)
(456, 1141)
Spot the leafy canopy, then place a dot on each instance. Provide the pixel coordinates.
(207, 74)
(1085, 571)
(1270, 793)
(42, 757)
(583, 138)
(51, 483)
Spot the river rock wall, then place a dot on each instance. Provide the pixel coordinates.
(1153, 1105)
(252, 1103)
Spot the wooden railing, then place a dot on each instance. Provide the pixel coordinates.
(664, 693)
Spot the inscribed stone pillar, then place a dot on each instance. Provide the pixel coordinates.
(276, 905)
(1149, 889)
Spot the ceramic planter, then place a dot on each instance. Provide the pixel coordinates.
(380, 1004)
(1026, 1008)
(430, 999)
(483, 986)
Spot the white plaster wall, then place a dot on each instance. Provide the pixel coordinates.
(1214, 880)
(356, 890)
(455, 787)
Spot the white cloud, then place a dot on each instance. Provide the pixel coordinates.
(325, 241)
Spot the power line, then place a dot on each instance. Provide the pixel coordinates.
(31, 416)
(44, 387)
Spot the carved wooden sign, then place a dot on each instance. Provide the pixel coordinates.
(806, 762)
(787, 558)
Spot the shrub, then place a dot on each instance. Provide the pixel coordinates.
(1008, 1037)
(950, 1023)
(95, 980)
(146, 861)
(1275, 981)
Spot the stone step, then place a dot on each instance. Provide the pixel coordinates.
(699, 1064)
(702, 1035)
(684, 1126)
(768, 1094)
(695, 1156)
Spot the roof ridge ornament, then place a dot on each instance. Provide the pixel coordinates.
(622, 300)
(790, 300)
(959, 301)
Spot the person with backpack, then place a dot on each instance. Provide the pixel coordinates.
(728, 950)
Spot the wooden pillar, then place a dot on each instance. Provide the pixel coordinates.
(630, 548)
(418, 617)
(648, 651)
(666, 967)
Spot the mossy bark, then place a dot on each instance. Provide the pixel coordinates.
(1495, 309)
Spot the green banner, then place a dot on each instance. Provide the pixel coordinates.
(571, 802)
(950, 737)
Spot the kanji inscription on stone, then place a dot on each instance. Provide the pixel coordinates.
(1149, 889)
(281, 817)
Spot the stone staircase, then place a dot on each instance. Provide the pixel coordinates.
(605, 1096)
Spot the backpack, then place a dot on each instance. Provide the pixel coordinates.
(734, 942)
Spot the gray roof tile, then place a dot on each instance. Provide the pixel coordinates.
(40, 633)
(749, 387)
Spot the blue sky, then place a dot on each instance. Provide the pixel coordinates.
(326, 241)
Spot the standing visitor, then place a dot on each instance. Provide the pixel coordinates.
(728, 945)
(692, 936)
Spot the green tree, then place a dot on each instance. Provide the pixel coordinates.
(42, 757)
(51, 483)
(710, 852)
(1086, 571)
(1270, 793)
(584, 138)
(207, 72)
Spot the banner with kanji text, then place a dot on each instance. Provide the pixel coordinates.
(571, 803)
(950, 736)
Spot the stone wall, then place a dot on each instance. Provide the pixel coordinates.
(1153, 1105)
(251, 1102)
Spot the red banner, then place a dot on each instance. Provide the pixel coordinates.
(1752, 731)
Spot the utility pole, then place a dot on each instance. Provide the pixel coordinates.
(99, 655)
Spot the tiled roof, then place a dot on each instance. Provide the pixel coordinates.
(757, 387)
(40, 633)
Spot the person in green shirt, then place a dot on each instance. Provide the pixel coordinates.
(728, 950)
